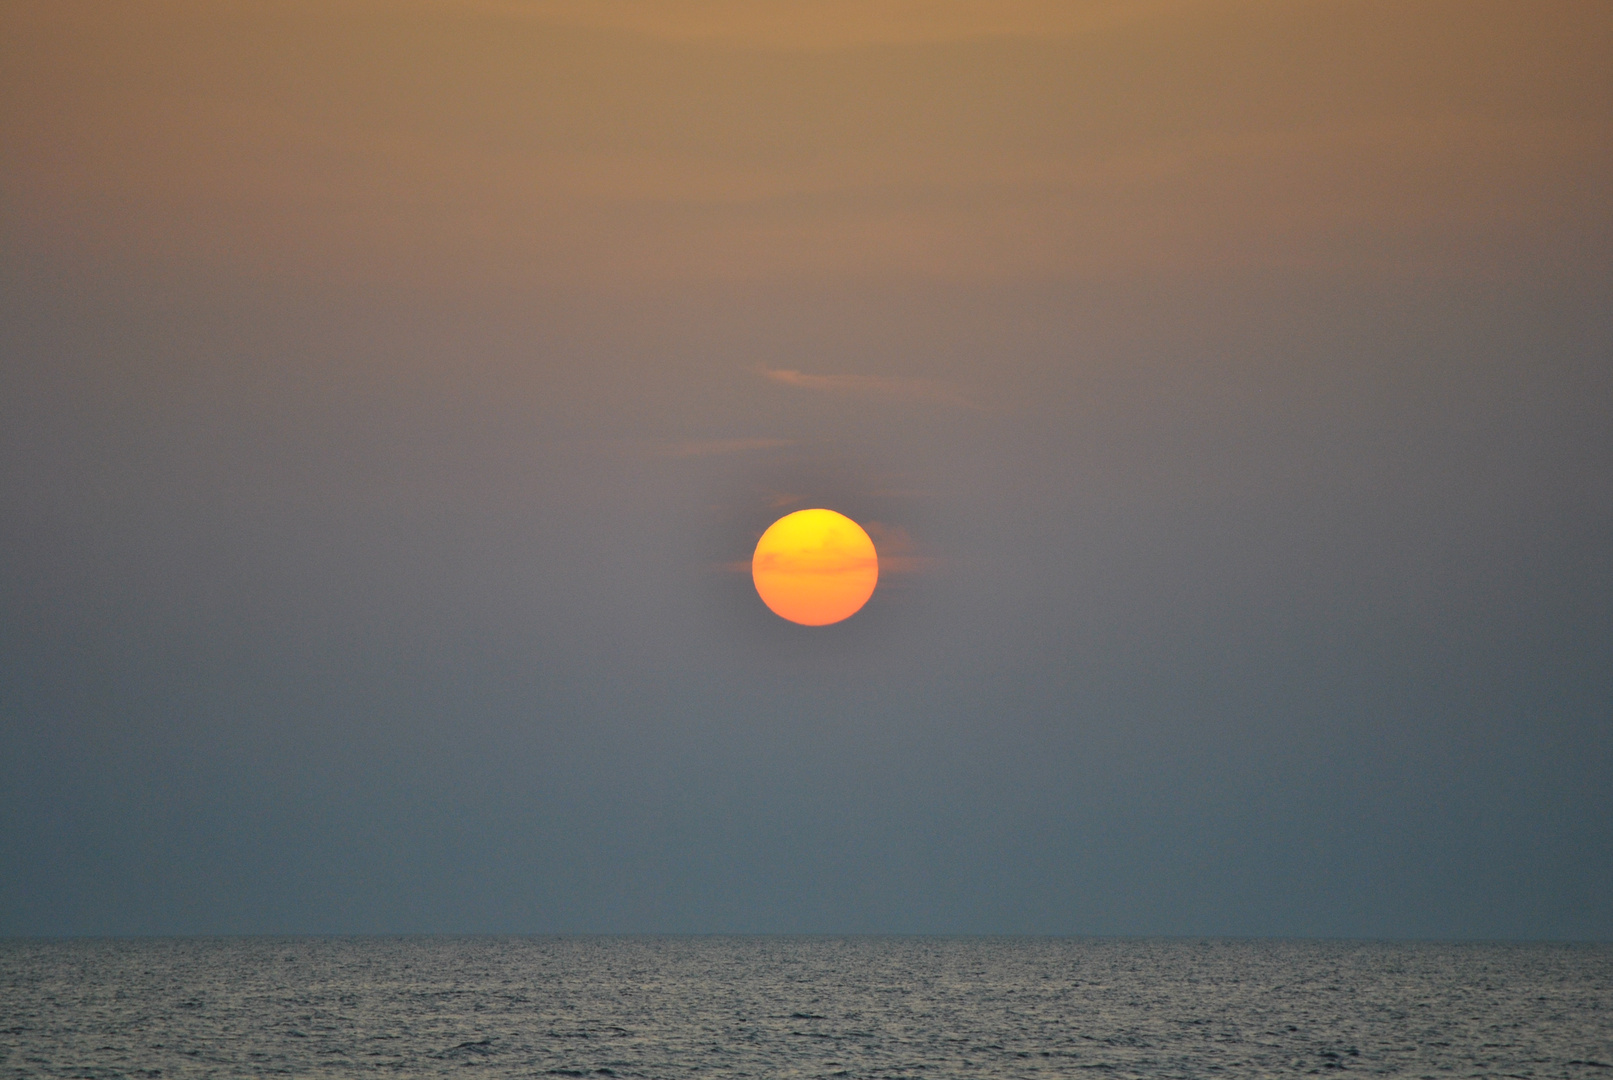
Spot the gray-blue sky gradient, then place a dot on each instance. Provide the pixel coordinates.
(381, 412)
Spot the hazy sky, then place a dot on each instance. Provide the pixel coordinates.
(391, 394)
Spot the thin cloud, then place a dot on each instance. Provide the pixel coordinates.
(837, 24)
(880, 386)
(709, 447)
(898, 552)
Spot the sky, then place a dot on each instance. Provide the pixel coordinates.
(392, 394)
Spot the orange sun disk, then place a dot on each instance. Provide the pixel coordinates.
(815, 567)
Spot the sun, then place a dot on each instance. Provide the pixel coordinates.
(815, 567)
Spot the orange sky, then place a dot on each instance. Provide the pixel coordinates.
(508, 141)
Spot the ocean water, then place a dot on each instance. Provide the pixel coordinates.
(800, 1007)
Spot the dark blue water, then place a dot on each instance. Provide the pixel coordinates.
(788, 1007)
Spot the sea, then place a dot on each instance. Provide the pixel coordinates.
(801, 1007)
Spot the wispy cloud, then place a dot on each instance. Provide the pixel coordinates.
(709, 447)
(834, 24)
(882, 386)
(898, 552)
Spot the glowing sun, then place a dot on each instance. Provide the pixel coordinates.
(815, 567)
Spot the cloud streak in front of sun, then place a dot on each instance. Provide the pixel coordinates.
(899, 554)
(930, 391)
